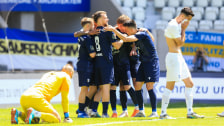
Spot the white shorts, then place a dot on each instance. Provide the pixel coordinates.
(176, 67)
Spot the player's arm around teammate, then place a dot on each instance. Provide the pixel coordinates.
(149, 68)
(85, 64)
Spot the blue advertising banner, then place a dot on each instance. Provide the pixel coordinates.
(211, 43)
(45, 5)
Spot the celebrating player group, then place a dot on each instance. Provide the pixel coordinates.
(110, 57)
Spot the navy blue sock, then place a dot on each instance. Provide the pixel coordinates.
(105, 107)
(140, 99)
(113, 99)
(95, 106)
(123, 99)
(153, 101)
(87, 101)
(133, 96)
(81, 107)
(91, 103)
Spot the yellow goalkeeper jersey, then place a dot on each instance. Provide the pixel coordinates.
(50, 85)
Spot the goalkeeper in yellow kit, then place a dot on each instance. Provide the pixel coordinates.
(36, 100)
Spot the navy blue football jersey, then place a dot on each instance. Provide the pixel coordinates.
(146, 47)
(103, 45)
(85, 62)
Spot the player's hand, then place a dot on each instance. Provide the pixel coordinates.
(142, 29)
(94, 32)
(108, 28)
(133, 53)
(68, 120)
(184, 25)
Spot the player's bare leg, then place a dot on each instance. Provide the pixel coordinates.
(189, 98)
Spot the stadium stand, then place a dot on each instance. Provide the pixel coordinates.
(187, 3)
(205, 25)
(199, 12)
(159, 3)
(174, 3)
(161, 24)
(216, 3)
(129, 3)
(141, 3)
(221, 13)
(139, 13)
(219, 25)
(168, 13)
(211, 13)
(202, 3)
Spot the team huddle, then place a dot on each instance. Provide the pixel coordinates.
(110, 57)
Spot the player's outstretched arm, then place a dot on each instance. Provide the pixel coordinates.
(118, 44)
(150, 34)
(125, 38)
(81, 33)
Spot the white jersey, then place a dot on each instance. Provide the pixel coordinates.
(173, 29)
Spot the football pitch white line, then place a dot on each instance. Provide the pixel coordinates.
(121, 122)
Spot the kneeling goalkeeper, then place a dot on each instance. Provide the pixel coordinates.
(36, 100)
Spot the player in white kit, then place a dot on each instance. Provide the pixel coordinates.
(177, 69)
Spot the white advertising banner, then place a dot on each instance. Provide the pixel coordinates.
(12, 89)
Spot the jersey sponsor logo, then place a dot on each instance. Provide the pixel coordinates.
(99, 54)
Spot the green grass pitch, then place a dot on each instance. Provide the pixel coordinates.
(177, 110)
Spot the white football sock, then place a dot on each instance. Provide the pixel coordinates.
(189, 99)
(165, 100)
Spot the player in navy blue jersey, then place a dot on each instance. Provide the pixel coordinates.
(148, 71)
(122, 74)
(85, 64)
(104, 69)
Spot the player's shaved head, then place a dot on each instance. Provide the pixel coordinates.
(86, 20)
(122, 19)
(68, 68)
(130, 24)
(97, 15)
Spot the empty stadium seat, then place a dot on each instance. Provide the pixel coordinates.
(139, 13)
(119, 2)
(193, 25)
(211, 13)
(198, 13)
(219, 25)
(161, 24)
(129, 3)
(221, 13)
(173, 3)
(141, 3)
(216, 3)
(128, 11)
(202, 3)
(188, 3)
(159, 3)
(168, 13)
(205, 25)
(139, 23)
